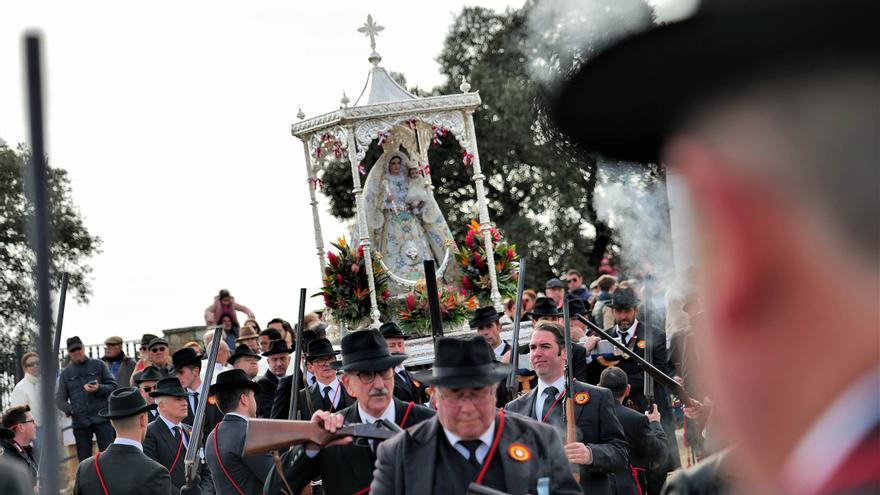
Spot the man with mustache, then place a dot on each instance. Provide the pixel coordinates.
(368, 376)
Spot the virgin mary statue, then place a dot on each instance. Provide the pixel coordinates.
(404, 232)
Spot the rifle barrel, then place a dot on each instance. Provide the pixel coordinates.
(517, 320)
(433, 301)
(297, 370)
(189, 460)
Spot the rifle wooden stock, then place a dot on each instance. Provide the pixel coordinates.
(264, 435)
(664, 379)
(570, 423)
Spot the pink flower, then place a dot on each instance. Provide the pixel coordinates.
(469, 239)
(339, 278)
(355, 268)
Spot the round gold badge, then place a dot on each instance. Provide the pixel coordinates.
(640, 344)
(212, 400)
(581, 398)
(519, 452)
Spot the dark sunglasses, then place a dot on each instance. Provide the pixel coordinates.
(158, 349)
(147, 388)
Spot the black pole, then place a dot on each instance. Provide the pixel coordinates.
(297, 356)
(59, 320)
(433, 302)
(38, 233)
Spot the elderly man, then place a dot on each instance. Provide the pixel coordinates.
(17, 432)
(406, 388)
(146, 382)
(767, 112)
(120, 365)
(246, 360)
(278, 358)
(470, 440)
(368, 375)
(601, 446)
(281, 404)
(160, 356)
(167, 438)
(83, 387)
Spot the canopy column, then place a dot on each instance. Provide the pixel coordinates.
(363, 229)
(316, 221)
(483, 208)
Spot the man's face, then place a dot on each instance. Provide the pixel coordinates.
(278, 364)
(320, 367)
(144, 355)
(159, 355)
(574, 282)
(396, 345)
(77, 355)
(624, 317)
(555, 293)
(188, 376)
(371, 389)
(173, 408)
(27, 429)
(112, 350)
(467, 412)
(544, 355)
(223, 353)
(264, 343)
(492, 333)
(32, 366)
(250, 365)
(145, 388)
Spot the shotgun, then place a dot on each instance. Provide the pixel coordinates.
(648, 388)
(265, 435)
(570, 424)
(297, 356)
(673, 386)
(512, 386)
(433, 302)
(190, 462)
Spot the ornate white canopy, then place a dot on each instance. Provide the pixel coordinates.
(387, 112)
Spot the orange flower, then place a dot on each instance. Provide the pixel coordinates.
(361, 293)
(474, 225)
(471, 303)
(341, 241)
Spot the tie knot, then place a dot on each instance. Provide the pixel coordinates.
(327, 389)
(177, 430)
(471, 446)
(551, 391)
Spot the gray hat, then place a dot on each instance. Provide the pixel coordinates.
(554, 283)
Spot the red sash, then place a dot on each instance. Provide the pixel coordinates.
(100, 477)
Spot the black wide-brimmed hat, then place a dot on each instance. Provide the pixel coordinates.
(277, 347)
(169, 386)
(623, 298)
(124, 403)
(149, 374)
(234, 378)
(390, 330)
(320, 348)
(627, 100)
(241, 350)
(576, 305)
(366, 350)
(544, 306)
(463, 363)
(185, 357)
(485, 316)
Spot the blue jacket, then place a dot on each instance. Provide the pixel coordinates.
(72, 399)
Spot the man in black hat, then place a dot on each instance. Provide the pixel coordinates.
(277, 356)
(233, 473)
(281, 404)
(123, 468)
(168, 437)
(246, 360)
(160, 356)
(406, 388)
(545, 309)
(17, 432)
(327, 393)
(601, 446)
(470, 440)
(146, 382)
(486, 322)
(83, 387)
(368, 375)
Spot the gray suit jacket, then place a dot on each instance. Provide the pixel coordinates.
(405, 462)
(126, 471)
(598, 428)
(249, 473)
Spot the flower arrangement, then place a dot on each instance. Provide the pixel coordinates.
(455, 307)
(471, 255)
(346, 290)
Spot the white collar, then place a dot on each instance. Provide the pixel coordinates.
(500, 349)
(192, 391)
(171, 426)
(399, 369)
(559, 383)
(387, 415)
(486, 437)
(239, 415)
(822, 449)
(130, 442)
(333, 385)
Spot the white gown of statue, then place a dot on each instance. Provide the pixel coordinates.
(404, 237)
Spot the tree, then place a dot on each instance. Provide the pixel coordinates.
(72, 244)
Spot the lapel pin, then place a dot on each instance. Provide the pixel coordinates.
(519, 452)
(581, 398)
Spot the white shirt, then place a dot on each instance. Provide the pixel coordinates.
(128, 441)
(27, 391)
(482, 450)
(629, 332)
(334, 391)
(192, 399)
(500, 350)
(171, 426)
(539, 404)
(387, 415)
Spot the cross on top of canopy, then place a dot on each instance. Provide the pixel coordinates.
(388, 112)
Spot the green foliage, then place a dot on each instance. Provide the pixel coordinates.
(72, 244)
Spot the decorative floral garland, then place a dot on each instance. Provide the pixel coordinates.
(455, 307)
(346, 290)
(327, 143)
(471, 256)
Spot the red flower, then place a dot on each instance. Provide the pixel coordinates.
(361, 251)
(466, 283)
(410, 302)
(510, 254)
(334, 261)
(386, 294)
(469, 239)
(339, 278)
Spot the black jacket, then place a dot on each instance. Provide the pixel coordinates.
(161, 446)
(249, 473)
(598, 428)
(405, 462)
(281, 402)
(413, 391)
(646, 441)
(23, 456)
(126, 471)
(268, 385)
(345, 469)
(314, 400)
(634, 373)
(74, 401)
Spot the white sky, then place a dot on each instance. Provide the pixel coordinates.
(173, 121)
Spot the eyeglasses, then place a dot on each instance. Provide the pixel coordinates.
(27, 421)
(456, 397)
(143, 348)
(158, 349)
(370, 376)
(32, 364)
(324, 360)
